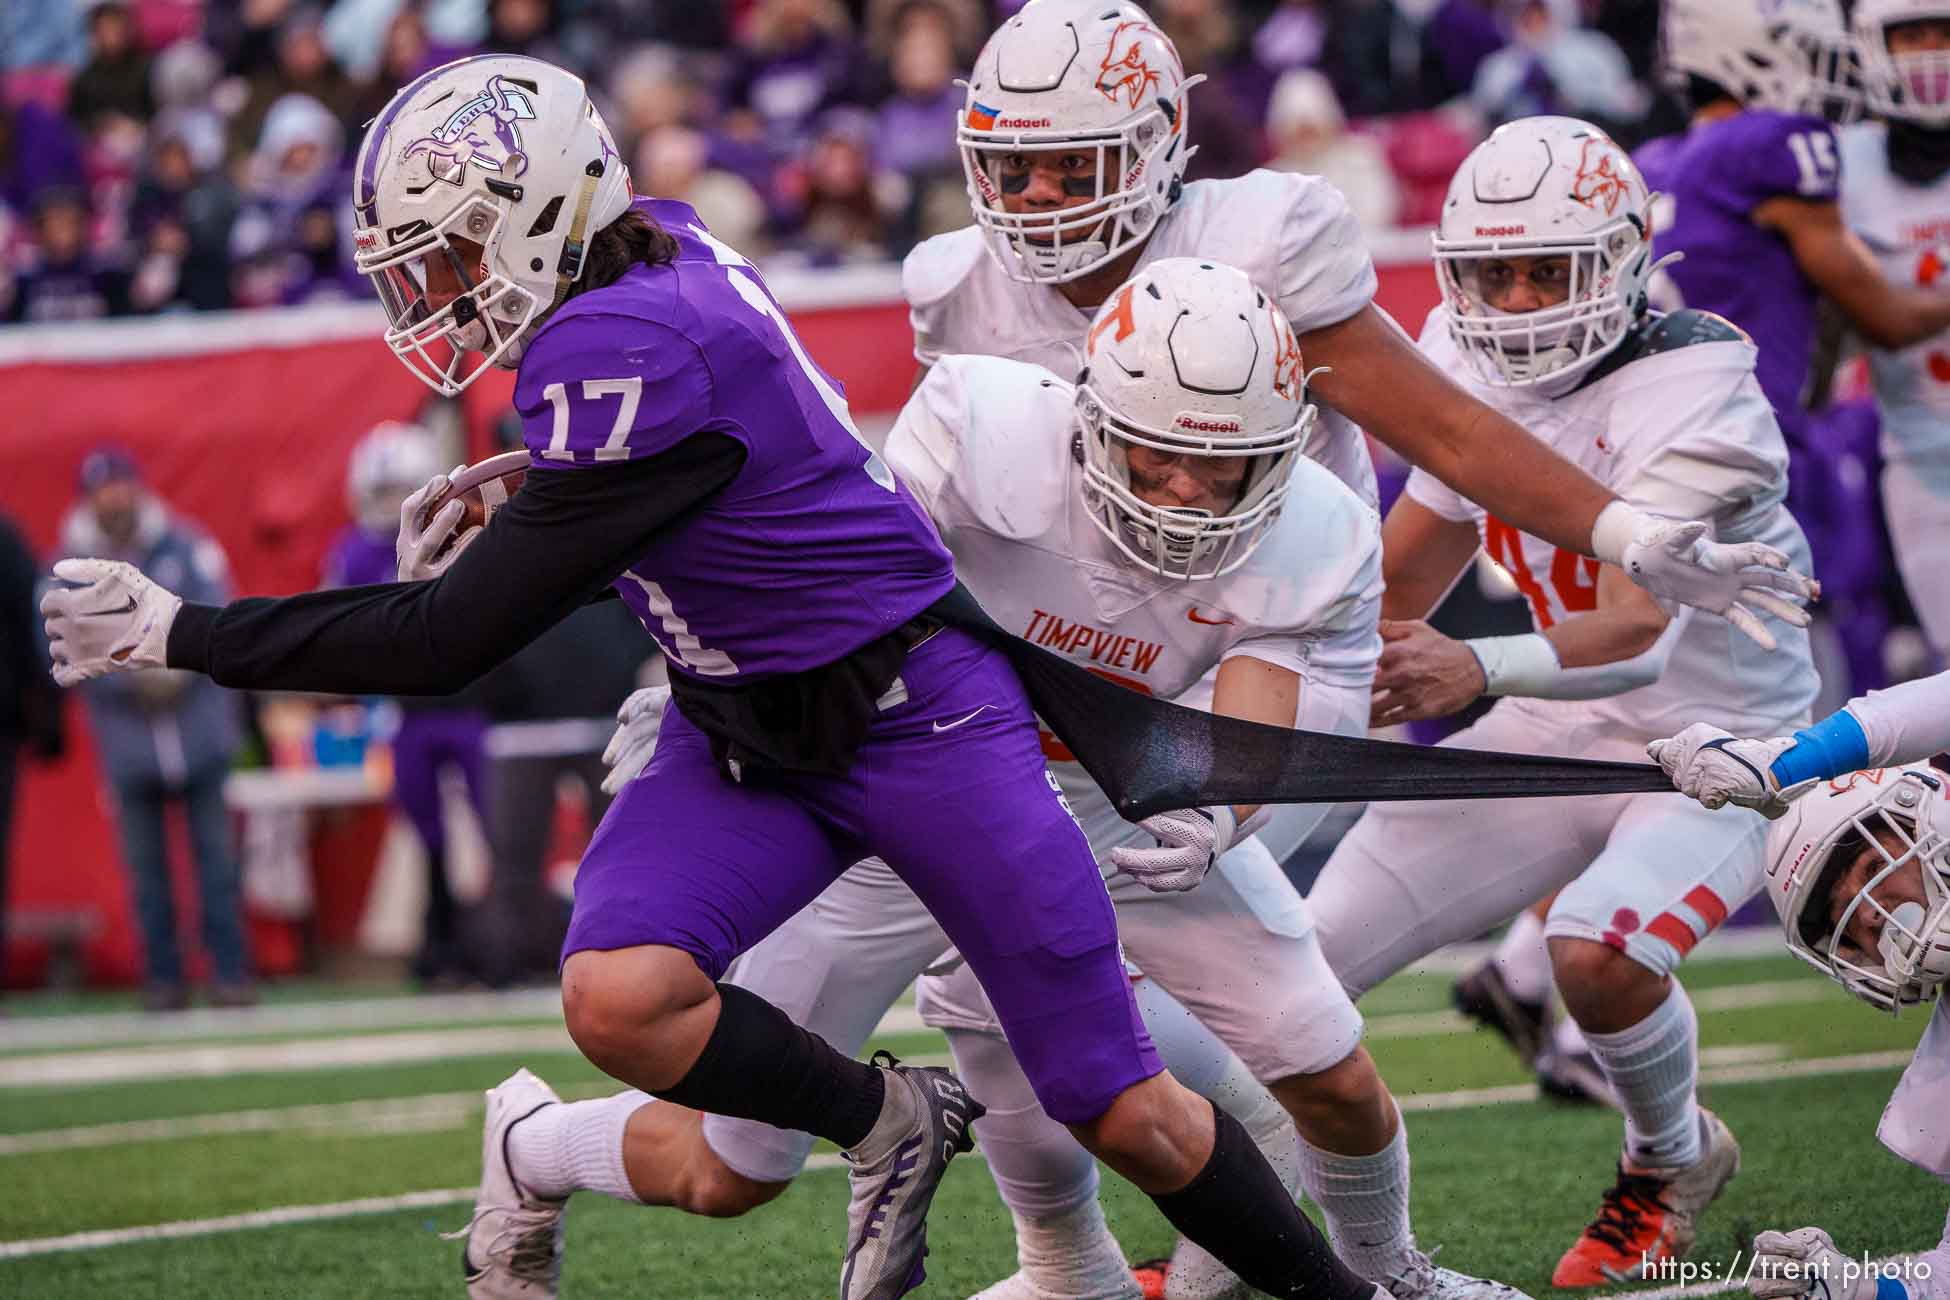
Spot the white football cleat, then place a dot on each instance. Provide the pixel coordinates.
(513, 1245)
(1419, 1279)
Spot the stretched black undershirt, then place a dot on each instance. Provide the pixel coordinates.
(558, 543)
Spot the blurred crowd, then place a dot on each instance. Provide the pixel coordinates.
(167, 155)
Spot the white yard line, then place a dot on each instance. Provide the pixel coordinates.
(1437, 1101)
(118, 1029)
(131, 1028)
(189, 1061)
(172, 1060)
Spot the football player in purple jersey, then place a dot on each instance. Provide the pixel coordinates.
(689, 456)
(390, 463)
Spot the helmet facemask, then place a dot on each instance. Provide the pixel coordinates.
(491, 315)
(1913, 86)
(1053, 246)
(1604, 296)
(1914, 942)
(1178, 542)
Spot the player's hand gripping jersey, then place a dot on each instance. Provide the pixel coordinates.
(1676, 425)
(976, 445)
(1292, 235)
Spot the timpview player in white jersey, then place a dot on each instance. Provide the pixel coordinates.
(1543, 256)
(1073, 142)
(1153, 522)
(1859, 871)
(1895, 194)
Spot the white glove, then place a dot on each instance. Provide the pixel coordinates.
(1190, 840)
(1714, 767)
(637, 725)
(112, 620)
(1805, 1262)
(1676, 561)
(416, 548)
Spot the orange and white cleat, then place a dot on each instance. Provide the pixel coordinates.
(1650, 1214)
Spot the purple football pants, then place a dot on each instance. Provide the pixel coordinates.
(428, 741)
(951, 789)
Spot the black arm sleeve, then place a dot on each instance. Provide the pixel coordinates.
(559, 541)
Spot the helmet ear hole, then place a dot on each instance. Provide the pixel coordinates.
(544, 223)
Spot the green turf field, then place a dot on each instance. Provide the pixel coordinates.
(335, 1113)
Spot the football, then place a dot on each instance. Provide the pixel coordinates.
(483, 488)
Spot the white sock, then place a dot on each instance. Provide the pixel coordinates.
(1654, 1067)
(1568, 1038)
(1523, 959)
(1073, 1254)
(1365, 1201)
(575, 1147)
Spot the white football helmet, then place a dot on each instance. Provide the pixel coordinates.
(1545, 187)
(1793, 56)
(1073, 77)
(1189, 358)
(1913, 87)
(1810, 847)
(390, 463)
(508, 153)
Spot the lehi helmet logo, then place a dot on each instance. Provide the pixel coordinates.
(1125, 73)
(1599, 185)
(482, 132)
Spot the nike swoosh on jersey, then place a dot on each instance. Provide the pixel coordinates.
(104, 613)
(950, 726)
(1192, 614)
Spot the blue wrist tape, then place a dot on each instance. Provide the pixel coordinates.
(1831, 747)
(1888, 1288)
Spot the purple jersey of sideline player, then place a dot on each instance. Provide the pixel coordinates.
(358, 558)
(814, 519)
(1715, 175)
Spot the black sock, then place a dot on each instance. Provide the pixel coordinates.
(759, 1065)
(1237, 1208)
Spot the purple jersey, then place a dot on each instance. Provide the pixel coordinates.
(812, 550)
(1716, 175)
(358, 558)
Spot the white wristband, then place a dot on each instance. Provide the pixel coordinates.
(1515, 665)
(1615, 528)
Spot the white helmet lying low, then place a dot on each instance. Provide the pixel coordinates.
(1189, 359)
(1912, 87)
(502, 151)
(1889, 818)
(1545, 187)
(1089, 78)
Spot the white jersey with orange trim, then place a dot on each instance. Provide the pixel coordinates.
(1293, 235)
(986, 445)
(1915, 1128)
(1684, 431)
(1907, 227)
